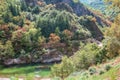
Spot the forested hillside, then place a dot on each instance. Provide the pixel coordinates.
(69, 36)
(32, 28)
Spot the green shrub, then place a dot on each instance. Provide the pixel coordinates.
(86, 56)
(107, 67)
(92, 70)
(64, 69)
(101, 72)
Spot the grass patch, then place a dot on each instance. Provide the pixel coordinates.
(24, 71)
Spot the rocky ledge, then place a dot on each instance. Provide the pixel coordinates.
(51, 56)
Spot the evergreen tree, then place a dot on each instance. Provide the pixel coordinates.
(36, 10)
(14, 8)
(23, 5)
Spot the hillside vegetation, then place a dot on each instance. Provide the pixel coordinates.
(60, 39)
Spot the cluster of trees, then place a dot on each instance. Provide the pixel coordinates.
(16, 39)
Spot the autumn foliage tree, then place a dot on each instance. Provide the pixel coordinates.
(6, 32)
(68, 33)
(66, 36)
(54, 38)
(25, 38)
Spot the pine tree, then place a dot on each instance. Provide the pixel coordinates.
(36, 10)
(23, 5)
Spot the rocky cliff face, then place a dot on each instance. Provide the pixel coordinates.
(78, 8)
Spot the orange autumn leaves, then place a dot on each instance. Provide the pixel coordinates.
(56, 39)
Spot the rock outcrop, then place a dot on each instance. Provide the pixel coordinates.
(78, 8)
(50, 57)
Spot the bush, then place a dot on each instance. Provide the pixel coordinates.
(107, 67)
(64, 69)
(92, 70)
(102, 55)
(101, 72)
(86, 56)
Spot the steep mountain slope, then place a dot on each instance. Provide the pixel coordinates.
(77, 7)
(57, 26)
